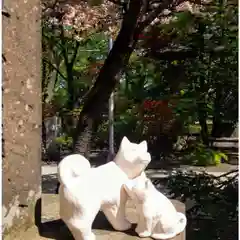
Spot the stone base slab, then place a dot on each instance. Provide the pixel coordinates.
(53, 228)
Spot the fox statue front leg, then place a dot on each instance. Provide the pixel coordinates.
(144, 227)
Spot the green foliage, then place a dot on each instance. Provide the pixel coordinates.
(186, 107)
(215, 201)
(200, 155)
(201, 63)
(127, 123)
(199, 77)
(69, 61)
(196, 128)
(64, 142)
(193, 82)
(215, 197)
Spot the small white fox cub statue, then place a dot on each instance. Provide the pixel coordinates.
(84, 190)
(157, 216)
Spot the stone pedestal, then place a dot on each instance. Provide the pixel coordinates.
(104, 231)
(53, 228)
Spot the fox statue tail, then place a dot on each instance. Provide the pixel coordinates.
(71, 167)
(182, 222)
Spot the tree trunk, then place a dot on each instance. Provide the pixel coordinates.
(82, 145)
(107, 79)
(204, 128)
(202, 90)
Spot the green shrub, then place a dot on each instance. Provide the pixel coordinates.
(64, 141)
(200, 155)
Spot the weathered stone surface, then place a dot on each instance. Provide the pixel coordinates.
(21, 112)
(53, 228)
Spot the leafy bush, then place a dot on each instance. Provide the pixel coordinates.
(213, 196)
(213, 210)
(203, 156)
(64, 142)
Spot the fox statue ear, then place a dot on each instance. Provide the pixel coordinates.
(143, 145)
(125, 142)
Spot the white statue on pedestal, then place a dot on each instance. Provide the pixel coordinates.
(84, 190)
(158, 217)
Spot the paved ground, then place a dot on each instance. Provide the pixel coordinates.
(216, 170)
(49, 173)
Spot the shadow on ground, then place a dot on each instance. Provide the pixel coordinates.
(56, 229)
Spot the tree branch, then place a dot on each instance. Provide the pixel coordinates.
(157, 12)
(75, 54)
(49, 63)
(108, 77)
(122, 42)
(64, 47)
(228, 173)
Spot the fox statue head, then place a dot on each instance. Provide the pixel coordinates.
(132, 158)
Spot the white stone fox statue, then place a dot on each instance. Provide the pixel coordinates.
(84, 190)
(158, 217)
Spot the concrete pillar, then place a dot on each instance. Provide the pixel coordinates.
(21, 112)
